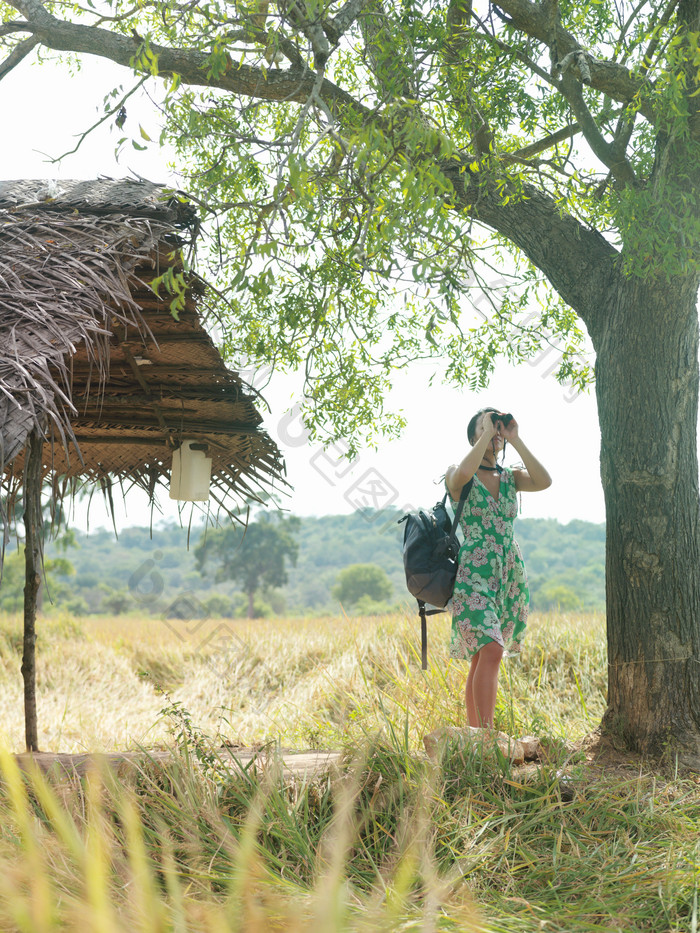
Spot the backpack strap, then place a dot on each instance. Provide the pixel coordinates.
(463, 496)
(422, 611)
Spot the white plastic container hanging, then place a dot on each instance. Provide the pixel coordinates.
(190, 476)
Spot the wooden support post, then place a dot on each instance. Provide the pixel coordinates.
(32, 557)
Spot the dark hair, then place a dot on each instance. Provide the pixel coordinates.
(471, 427)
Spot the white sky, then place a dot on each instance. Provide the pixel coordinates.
(45, 108)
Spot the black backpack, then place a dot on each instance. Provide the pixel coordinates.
(431, 558)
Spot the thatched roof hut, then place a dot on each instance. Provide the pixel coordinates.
(95, 360)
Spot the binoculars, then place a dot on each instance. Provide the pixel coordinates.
(497, 416)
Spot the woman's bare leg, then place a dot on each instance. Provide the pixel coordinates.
(482, 685)
(472, 718)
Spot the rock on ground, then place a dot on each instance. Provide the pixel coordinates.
(483, 740)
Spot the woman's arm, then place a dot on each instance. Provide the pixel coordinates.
(534, 477)
(457, 476)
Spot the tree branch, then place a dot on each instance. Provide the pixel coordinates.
(654, 42)
(193, 67)
(336, 27)
(108, 116)
(689, 26)
(10, 27)
(390, 70)
(578, 261)
(459, 14)
(296, 13)
(611, 155)
(608, 77)
(517, 53)
(19, 52)
(548, 142)
(543, 21)
(32, 10)
(621, 139)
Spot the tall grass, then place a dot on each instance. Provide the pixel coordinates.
(390, 841)
(304, 683)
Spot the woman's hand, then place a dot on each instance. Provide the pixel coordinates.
(486, 426)
(532, 476)
(509, 433)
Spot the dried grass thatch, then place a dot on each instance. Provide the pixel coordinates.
(91, 357)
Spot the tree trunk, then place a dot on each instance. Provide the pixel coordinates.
(251, 604)
(32, 556)
(646, 346)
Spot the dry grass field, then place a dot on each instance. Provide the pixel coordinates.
(391, 841)
(304, 683)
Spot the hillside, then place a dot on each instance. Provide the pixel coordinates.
(156, 572)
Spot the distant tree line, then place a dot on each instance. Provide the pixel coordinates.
(284, 565)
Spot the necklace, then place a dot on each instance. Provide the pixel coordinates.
(491, 469)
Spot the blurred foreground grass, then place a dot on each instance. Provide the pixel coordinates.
(396, 843)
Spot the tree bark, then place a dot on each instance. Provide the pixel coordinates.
(33, 557)
(646, 346)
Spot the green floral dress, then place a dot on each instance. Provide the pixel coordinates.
(491, 596)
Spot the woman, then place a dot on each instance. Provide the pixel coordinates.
(490, 602)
